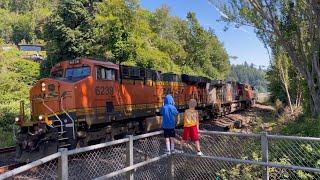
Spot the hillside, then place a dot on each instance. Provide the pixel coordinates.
(249, 74)
(118, 30)
(16, 78)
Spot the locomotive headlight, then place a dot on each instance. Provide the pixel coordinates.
(17, 119)
(40, 117)
(43, 86)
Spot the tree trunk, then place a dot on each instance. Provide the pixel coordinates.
(285, 84)
(315, 98)
(288, 96)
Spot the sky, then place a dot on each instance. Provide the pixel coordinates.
(240, 42)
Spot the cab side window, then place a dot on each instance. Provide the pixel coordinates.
(103, 73)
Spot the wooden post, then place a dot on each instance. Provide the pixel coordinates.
(63, 173)
(130, 175)
(265, 155)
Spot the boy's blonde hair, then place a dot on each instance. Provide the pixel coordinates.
(192, 103)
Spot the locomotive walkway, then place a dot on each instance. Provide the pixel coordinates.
(227, 156)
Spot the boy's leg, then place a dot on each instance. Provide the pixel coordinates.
(168, 144)
(172, 143)
(181, 144)
(172, 136)
(195, 137)
(197, 145)
(185, 136)
(166, 135)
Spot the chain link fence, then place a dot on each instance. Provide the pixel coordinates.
(98, 162)
(226, 156)
(45, 168)
(48, 170)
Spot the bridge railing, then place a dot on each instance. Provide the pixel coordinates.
(226, 156)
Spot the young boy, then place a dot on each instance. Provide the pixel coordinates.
(191, 125)
(169, 112)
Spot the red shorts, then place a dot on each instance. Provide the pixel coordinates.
(190, 132)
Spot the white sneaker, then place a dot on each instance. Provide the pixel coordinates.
(167, 152)
(199, 153)
(177, 151)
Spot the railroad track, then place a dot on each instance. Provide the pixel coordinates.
(7, 150)
(10, 167)
(9, 163)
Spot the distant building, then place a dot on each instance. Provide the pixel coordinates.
(31, 47)
(36, 48)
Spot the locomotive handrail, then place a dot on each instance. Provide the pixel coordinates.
(73, 130)
(61, 127)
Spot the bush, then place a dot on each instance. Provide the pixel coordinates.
(16, 78)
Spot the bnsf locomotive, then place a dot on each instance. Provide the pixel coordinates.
(86, 101)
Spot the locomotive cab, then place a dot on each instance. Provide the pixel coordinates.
(54, 102)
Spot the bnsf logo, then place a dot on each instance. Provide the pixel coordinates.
(104, 90)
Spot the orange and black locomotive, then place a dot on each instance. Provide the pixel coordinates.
(87, 101)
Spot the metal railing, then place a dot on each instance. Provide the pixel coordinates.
(226, 156)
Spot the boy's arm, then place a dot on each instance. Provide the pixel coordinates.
(175, 111)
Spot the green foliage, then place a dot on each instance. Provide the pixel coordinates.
(23, 20)
(22, 29)
(249, 74)
(117, 30)
(304, 126)
(122, 32)
(7, 137)
(16, 78)
(67, 32)
(297, 86)
(280, 23)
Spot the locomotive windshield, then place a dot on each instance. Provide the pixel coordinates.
(57, 74)
(77, 72)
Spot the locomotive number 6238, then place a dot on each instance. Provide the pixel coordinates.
(104, 90)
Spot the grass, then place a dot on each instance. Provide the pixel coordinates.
(303, 126)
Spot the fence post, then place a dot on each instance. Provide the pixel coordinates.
(63, 173)
(171, 166)
(265, 155)
(129, 156)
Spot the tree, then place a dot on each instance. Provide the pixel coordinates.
(249, 74)
(115, 21)
(22, 30)
(68, 32)
(16, 78)
(294, 25)
(282, 65)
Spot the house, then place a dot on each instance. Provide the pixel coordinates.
(33, 52)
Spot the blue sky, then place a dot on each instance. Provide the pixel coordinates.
(241, 42)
